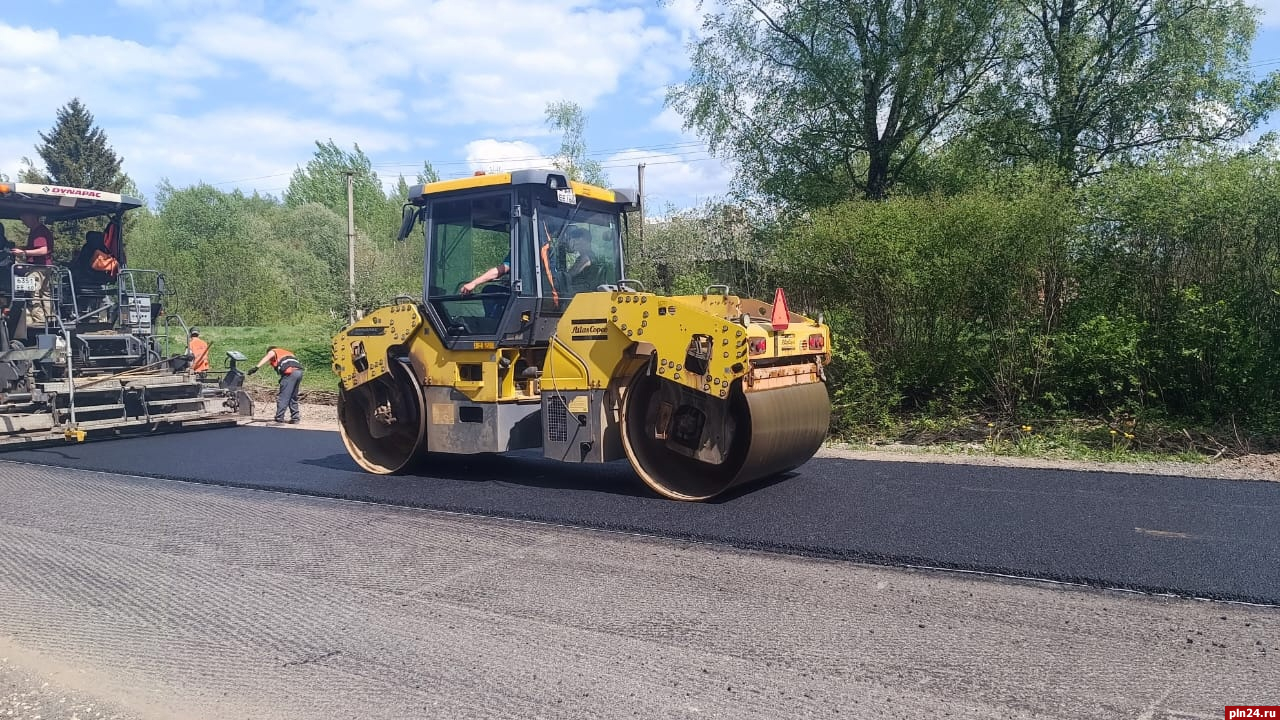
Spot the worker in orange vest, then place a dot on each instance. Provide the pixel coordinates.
(287, 366)
(199, 351)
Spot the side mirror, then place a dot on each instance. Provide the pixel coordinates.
(408, 218)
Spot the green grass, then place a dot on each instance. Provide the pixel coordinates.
(1088, 439)
(309, 342)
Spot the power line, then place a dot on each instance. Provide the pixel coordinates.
(594, 153)
(691, 154)
(630, 164)
(260, 177)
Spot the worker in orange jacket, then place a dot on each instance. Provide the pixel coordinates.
(286, 365)
(199, 351)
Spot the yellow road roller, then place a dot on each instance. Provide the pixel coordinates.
(529, 335)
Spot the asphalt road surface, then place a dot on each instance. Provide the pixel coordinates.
(1207, 538)
(133, 598)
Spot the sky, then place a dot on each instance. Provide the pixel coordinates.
(236, 93)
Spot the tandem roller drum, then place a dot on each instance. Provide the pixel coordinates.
(383, 422)
(687, 445)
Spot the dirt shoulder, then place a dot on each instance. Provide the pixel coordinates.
(1248, 467)
(323, 415)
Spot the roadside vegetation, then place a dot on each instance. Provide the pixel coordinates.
(309, 342)
(1083, 266)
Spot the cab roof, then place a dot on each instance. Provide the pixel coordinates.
(554, 179)
(57, 202)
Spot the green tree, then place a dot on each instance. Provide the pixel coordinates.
(1097, 81)
(820, 100)
(567, 117)
(314, 239)
(689, 249)
(1190, 251)
(76, 154)
(427, 174)
(402, 189)
(324, 181)
(221, 258)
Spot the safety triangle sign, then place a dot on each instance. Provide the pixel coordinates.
(781, 319)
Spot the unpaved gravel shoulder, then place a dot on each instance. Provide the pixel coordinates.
(1264, 467)
(36, 688)
(1249, 467)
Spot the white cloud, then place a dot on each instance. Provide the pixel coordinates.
(453, 64)
(219, 90)
(334, 74)
(671, 179)
(687, 15)
(237, 148)
(46, 69)
(498, 156)
(183, 6)
(668, 120)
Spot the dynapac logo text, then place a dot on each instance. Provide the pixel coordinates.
(79, 192)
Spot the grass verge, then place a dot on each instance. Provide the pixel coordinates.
(1127, 440)
(309, 342)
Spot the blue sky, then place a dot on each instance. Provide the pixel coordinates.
(236, 92)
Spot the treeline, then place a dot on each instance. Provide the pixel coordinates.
(236, 259)
(1007, 209)
(1152, 293)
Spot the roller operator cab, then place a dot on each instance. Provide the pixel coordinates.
(87, 348)
(555, 349)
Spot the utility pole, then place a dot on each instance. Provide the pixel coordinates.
(640, 201)
(351, 247)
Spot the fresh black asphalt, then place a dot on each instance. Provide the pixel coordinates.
(1188, 536)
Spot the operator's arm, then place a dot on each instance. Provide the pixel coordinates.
(489, 275)
(39, 250)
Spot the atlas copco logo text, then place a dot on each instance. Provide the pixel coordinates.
(78, 192)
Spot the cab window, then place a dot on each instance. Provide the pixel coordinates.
(578, 249)
(468, 237)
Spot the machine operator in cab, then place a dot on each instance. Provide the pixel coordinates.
(578, 242)
(39, 252)
(289, 369)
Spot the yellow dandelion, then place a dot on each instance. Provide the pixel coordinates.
(1113, 432)
(1026, 428)
(1129, 436)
